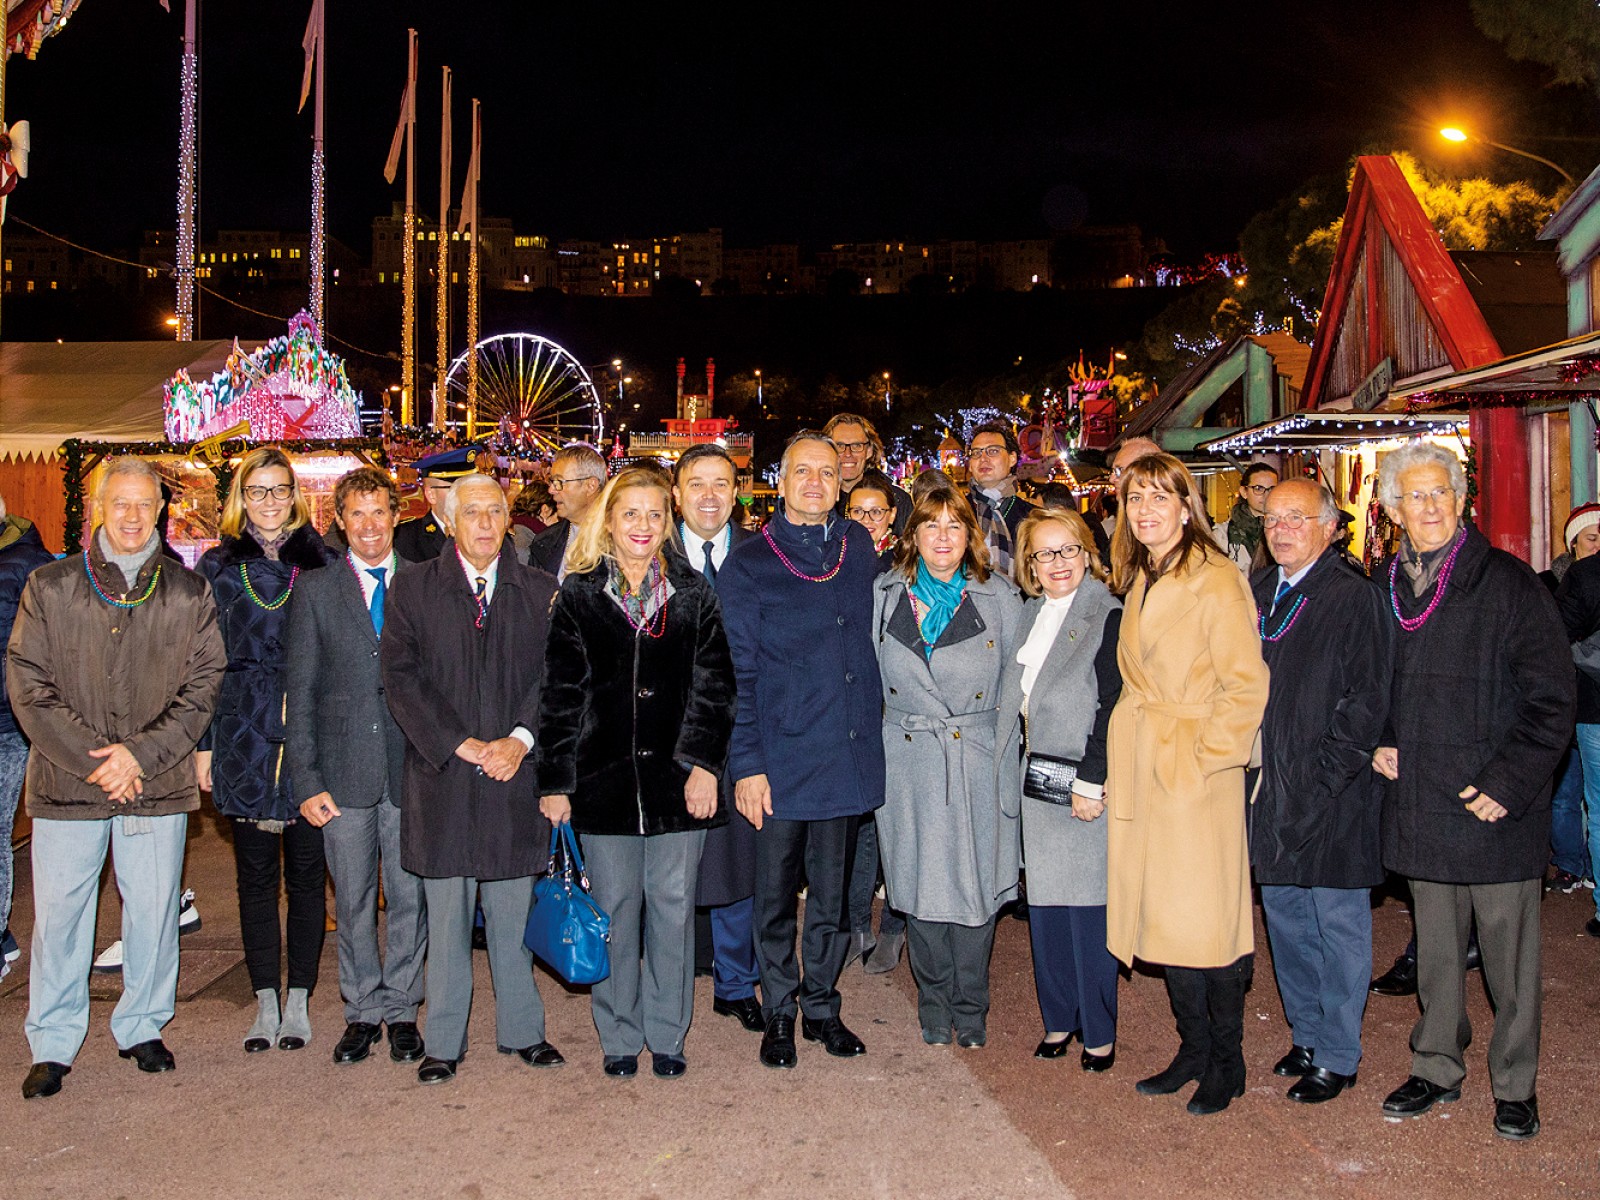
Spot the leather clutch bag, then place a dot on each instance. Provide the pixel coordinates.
(1049, 779)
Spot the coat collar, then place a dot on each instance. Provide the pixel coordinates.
(1156, 613)
(304, 548)
(901, 623)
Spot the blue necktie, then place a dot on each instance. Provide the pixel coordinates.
(1283, 588)
(377, 598)
(710, 569)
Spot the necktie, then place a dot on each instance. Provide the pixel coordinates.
(482, 584)
(482, 602)
(1283, 588)
(710, 569)
(378, 594)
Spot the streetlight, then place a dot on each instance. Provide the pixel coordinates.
(886, 398)
(761, 402)
(1452, 133)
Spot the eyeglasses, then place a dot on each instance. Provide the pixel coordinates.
(851, 447)
(1066, 554)
(856, 513)
(1439, 495)
(557, 483)
(281, 492)
(1294, 520)
(986, 452)
(1260, 489)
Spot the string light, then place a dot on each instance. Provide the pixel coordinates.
(319, 173)
(187, 153)
(1274, 434)
(408, 317)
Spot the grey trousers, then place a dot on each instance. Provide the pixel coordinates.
(1508, 934)
(518, 1010)
(387, 987)
(951, 963)
(649, 880)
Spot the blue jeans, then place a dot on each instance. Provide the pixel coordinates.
(1568, 850)
(1589, 748)
(13, 765)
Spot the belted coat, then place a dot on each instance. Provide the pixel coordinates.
(950, 827)
(1194, 688)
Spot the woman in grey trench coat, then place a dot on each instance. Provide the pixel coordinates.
(947, 636)
(1070, 682)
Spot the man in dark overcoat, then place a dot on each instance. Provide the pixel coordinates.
(807, 757)
(462, 653)
(1328, 640)
(1480, 715)
(704, 488)
(346, 759)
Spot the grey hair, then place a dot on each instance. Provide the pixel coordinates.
(452, 500)
(585, 459)
(127, 464)
(1327, 506)
(805, 435)
(1418, 454)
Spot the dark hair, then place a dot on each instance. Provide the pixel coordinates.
(695, 453)
(534, 496)
(923, 512)
(874, 480)
(999, 427)
(927, 481)
(1057, 495)
(364, 481)
(1130, 557)
(1257, 468)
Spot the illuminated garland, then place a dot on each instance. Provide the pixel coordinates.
(186, 172)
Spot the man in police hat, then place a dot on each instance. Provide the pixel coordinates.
(422, 538)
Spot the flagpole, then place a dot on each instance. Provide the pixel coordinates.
(188, 174)
(408, 303)
(319, 174)
(441, 398)
(474, 174)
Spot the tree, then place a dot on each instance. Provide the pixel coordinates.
(1561, 34)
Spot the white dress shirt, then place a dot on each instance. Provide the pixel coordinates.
(491, 575)
(694, 546)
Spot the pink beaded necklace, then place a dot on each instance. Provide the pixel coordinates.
(799, 574)
(1412, 624)
(1288, 621)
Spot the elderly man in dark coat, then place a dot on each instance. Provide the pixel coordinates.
(807, 758)
(1481, 712)
(463, 653)
(1328, 640)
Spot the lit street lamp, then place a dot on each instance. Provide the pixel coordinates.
(760, 400)
(887, 404)
(1452, 133)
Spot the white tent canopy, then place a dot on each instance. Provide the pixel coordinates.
(98, 391)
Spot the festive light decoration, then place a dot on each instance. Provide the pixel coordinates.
(1274, 434)
(408, 318)
(30, 22)
(188, 159)
(289, 390)
(319, 177)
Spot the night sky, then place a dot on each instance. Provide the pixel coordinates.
(810, 123)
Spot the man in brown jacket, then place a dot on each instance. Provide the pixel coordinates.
(112, 670)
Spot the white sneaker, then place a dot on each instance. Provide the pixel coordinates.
(111, 960)
(188, 922)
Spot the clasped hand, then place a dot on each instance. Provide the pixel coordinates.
(499, 758)
(120, 776)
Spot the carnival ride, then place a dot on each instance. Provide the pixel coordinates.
(530, 390)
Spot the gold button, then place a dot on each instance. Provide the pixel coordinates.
(956, 734)
(115, 629)
(908, 737)
(991, 644)
(979, 696)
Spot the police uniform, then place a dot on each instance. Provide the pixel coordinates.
(425, 537)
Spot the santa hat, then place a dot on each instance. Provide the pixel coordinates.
(1582, 517)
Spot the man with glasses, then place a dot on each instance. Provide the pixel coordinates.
(425, 537)
(991, 459)
(1314, 842)
(861, 449)
(1241, 534)
(577, 473)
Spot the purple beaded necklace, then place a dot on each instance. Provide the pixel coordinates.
(1412, 624)
(1287, 623)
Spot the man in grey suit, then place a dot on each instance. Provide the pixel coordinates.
(346, 757)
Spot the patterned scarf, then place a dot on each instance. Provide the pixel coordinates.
(990, 511)
(1244, 527)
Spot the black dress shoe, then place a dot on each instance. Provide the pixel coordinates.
(540, 1054)
(436, 1070)
(1096, 1063)
(621, 1066)
(1514, 1119)
(1319, 1084)
(971, 1039)
(668, 1066)
(357, 1042)
(1416, 1096)
(777, 1043)
(152, 1056)
(405, 1043)
(1296, 1062)
(1049, 1049)
(44, 1079)
(747, 1011)
(837, 1040)
(1398, 980)
(1592, 927)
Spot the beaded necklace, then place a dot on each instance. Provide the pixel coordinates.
(917, 611)
(655, 582)
(393, 565)
(88, 568)
(1287, 623)
(1412, 624)
(480, 601)
(294, 573)
(799, 574)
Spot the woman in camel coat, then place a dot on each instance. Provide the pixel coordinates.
(1194, 690)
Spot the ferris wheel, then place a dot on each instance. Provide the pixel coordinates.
(530, 388)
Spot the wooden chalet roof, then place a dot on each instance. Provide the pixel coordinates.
(1520, 293)
(1394, 294)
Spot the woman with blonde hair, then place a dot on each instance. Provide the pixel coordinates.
(1194, 688)
(635, 717)
(946, 631)
(1070, 683)
(267, 541)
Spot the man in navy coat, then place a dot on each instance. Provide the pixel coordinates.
(807, 756)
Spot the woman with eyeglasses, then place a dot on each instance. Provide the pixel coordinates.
(1241, 534)
(267, 542)
(872, 502)
(1070, 683)
(1194, 688)
(946, 631)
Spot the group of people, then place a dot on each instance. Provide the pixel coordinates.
(944, 690)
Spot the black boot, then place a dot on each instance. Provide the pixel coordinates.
(1223, 1081)
(1186, 990)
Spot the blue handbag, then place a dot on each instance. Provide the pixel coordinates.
(566, 928)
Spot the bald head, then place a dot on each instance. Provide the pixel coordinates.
(1130, 452)
(1301, 521)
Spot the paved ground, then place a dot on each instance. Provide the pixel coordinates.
(906, 1120)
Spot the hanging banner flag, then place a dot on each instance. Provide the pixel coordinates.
(392, 165)
(469, 193)
(312, 43)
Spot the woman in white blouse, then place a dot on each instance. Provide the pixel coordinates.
(1070, 683)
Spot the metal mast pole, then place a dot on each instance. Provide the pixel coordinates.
(319, 175)
(188, 174)
(476, 173)
(441, 398)
(408, 257)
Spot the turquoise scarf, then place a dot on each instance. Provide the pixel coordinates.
(938, 602)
